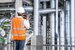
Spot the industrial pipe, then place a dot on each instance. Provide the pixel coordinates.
(73, 22)
(52, 23)
(36, 17)
(30, 9)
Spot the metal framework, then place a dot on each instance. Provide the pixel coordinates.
(61, 34)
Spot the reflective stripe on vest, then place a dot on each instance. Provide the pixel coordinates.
(18, 28)
(19, 34)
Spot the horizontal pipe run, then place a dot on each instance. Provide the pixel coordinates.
(44, 11)
(30, 9)
(53, 45)
(44, 0)
(5, 9)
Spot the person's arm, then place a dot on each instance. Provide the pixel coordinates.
(26, 23)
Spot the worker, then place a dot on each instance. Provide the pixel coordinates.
(19, 26)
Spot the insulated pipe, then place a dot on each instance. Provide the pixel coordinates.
(44, 27)
(52, 23)
(73, 23)
(30, 9)
(62, 27)
(5, 9)
(44, 11)
(57, 16)
(36, 17)
(57, 33)
(68, 24)
(65, 34)
(44, 0)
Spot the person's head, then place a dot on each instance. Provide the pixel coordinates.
(20, 11)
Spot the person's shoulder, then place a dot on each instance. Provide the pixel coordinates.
(13, 18)
(24, 19)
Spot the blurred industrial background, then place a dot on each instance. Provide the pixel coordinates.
(51, 21)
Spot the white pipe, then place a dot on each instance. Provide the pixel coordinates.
(57, 16)
(4, 9)
(62, 40)
(68, 23)
(52, 24)
(36, 17)
(30, 9)
(73, 22)
(44, 0)
(44, 27)
(44, 11)
(57, 33)
(44, 31)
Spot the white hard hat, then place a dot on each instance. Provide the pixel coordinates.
(21, 10)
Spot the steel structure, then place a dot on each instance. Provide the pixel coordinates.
(55, 24)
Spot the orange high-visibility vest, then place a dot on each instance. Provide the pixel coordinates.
(18, 29)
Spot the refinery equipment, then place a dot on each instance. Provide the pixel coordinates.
(52, 23)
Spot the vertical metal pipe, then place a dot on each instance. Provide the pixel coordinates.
(65, 34)
(10, 34)
(44, 5)
(52, 23)
(62, 40)
(5, 48)
(8, 41)
(36, 17)
(36, 38)
(57, 39)
(64, 25)
(57, 16)
(44, 30)
(18, 3)
(39, 25)
(73, 22)
(44, 26)
(68, 23)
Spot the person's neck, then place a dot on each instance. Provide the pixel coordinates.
(19, 16)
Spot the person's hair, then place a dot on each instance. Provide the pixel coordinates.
(19, 14)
